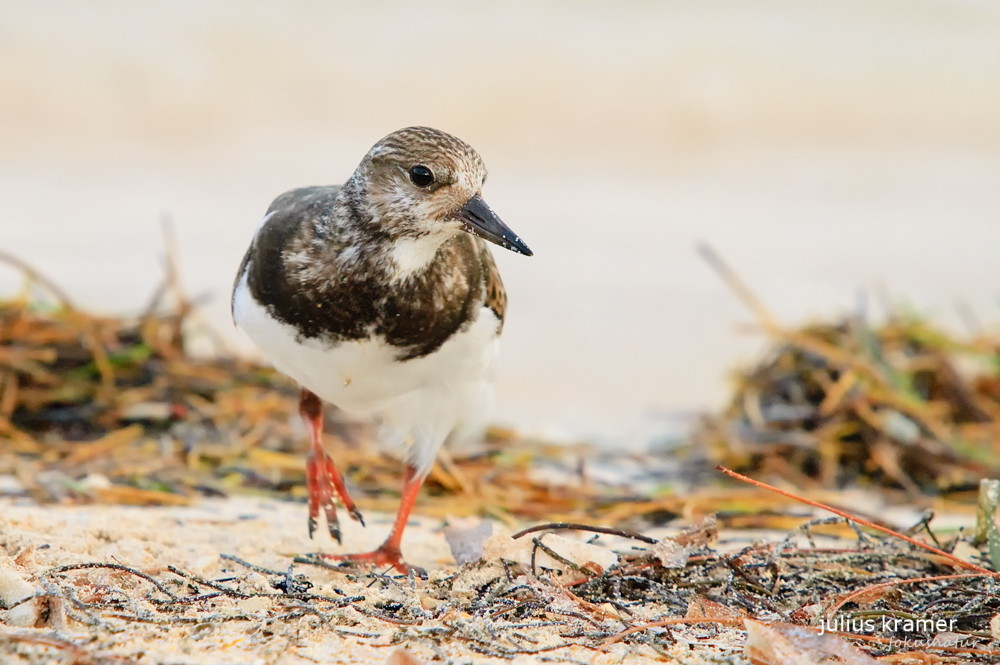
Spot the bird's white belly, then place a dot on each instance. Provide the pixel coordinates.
(419, 401)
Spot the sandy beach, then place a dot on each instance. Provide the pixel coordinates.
(842, 157)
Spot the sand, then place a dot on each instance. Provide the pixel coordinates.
(225, 630)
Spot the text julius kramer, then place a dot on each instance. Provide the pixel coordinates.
(888, 623)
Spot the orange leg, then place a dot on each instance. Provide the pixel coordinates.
(323, 481)
(389, 553)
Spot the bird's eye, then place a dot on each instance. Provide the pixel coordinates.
(421, 176)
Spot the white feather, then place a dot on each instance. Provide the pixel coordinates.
(411, 255)
(419, 402)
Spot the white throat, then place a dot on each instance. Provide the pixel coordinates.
(412, 255)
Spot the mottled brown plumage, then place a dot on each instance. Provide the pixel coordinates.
(334, 302)
(381, 297)
(496, 295)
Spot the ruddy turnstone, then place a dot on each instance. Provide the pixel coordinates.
(372, 298)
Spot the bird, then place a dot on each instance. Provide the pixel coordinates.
(382, 298)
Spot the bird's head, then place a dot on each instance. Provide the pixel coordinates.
(424, 186)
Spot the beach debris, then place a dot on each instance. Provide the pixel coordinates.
(20, 602)
(631, 603)
(119, 410)
(898, 403)
(788, 644)
(550, 552)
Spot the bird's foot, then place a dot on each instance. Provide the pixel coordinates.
(324, 483)
(386, 555)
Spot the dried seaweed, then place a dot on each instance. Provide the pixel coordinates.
(898, 403)
(118, 410)
(646, 604)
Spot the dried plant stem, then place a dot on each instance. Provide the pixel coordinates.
(728, 621)
(553, 526)
(736, 283)
(916, 580)
(35, 275)
(863, 522)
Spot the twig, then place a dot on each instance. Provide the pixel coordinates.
(561, 559)
(584, 527)
(734, 282)
(729, 621)
(320, 563)
(733, 563)
(32, 273)
(80, 657)
(868, 589)
(384, 617)
(211, 585)
(246, 564)
(575, 615)
(112, 566)
(848, 516)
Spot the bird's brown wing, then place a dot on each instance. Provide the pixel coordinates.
(496, 296)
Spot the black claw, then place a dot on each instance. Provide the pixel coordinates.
(312, 527)
(356, 516)
(332, 523)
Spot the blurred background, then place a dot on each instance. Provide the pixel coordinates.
(823, 148)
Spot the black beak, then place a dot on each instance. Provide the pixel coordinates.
(479, 220)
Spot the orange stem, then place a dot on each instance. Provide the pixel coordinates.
(848, 516)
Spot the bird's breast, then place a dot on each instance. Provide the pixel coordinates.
(367, 375)
(321, 301)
